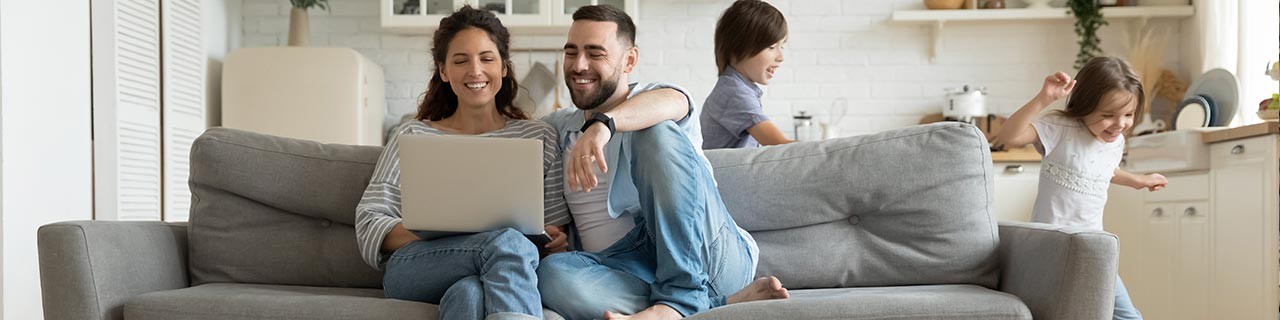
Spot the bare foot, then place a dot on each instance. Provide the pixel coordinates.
(656, 312)
(763, 288)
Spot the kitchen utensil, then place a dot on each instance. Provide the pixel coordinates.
(804, 127)
(1194, 112)
(965, 104)
(1219, 87)
(943, 4)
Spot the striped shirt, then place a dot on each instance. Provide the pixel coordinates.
(379, 209)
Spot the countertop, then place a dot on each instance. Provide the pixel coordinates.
(1024, 154)
(1266, 127)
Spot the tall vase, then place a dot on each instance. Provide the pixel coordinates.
(299, 28)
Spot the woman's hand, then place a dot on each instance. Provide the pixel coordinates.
(559, 241)
(1056, 86)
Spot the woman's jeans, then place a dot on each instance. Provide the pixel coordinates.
(487, 275)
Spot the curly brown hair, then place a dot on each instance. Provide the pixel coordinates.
(1099, 77)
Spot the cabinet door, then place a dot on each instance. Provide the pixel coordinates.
(1125, 217)
(1244, 189)
(564, 9)
(1192, 265)
(1015, 187)
(1153, 291)
(518, 13)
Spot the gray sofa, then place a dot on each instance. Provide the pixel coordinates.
(895, 225)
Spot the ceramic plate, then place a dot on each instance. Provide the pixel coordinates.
(1219, 86)
(1193, 112)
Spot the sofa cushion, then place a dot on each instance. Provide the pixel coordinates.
(275, 210)
(253, 301)
(912, 302)
(903, 207)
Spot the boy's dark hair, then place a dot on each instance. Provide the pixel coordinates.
(608, 13)
(1099, 77)
(745, 29)
(440, 101)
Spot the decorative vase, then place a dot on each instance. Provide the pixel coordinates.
(299, 28)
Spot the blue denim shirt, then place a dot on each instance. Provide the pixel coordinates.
(623, 196)
(732, 107)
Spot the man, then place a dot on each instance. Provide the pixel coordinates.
(657, 241)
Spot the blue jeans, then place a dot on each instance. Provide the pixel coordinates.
(488, 275)
(1124, 309)
(685, 251)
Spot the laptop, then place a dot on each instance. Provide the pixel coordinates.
(453, 185)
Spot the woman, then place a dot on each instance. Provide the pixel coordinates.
(475, 276)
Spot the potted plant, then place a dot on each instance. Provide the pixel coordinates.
(299, 27)
(1088, 20)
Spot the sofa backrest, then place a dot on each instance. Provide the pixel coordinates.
(275, 210)
(902, 207)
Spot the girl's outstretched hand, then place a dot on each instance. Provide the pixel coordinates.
(1154, 182)
(1056, 86)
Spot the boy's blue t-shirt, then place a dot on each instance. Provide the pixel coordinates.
(732, 107)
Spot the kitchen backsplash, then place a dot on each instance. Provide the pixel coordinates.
(837, 49)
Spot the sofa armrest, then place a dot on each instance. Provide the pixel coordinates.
(90, 269)
(1059, 272)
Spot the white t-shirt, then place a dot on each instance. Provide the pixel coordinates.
(598, 230)
(1075, 172)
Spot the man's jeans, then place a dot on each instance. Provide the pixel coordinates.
(487, 275)
(1124, 309)
(685, 251)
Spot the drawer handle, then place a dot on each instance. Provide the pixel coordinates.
(1017, 168)
(1191, 211)
(1238, 149)
(1157, 212)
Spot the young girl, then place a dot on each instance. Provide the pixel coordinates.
(748, 48)
(485, 275)
(1082, 146)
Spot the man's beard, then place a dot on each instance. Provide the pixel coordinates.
(593, 100)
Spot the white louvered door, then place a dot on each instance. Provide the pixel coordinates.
(148, 105)
(126, 109)
(183, 107)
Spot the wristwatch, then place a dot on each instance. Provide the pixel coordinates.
(602, 118)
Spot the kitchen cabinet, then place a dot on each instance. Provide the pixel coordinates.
(1016, 185)
(1246, 239)
(1208, 246)
(519, 16)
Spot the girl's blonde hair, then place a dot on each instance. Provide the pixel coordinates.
(1098, 77)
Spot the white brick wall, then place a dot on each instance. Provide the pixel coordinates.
(837, 48)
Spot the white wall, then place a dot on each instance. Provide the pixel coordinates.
(46, 156)
(222, 34)
(838, 48)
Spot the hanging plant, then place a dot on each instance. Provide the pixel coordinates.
(308, 4)
(1088, 20)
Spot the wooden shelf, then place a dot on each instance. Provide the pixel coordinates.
(1140, 15)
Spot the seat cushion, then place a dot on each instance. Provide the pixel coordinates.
(256, 301)
(910, 206)
(911, 302)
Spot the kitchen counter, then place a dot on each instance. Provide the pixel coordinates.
(1266, 127)
(1024, 154)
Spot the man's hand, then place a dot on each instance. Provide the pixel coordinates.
(588, 151)
(559, 241)
(1152, 182)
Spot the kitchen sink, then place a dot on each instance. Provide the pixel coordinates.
(1172, 151)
